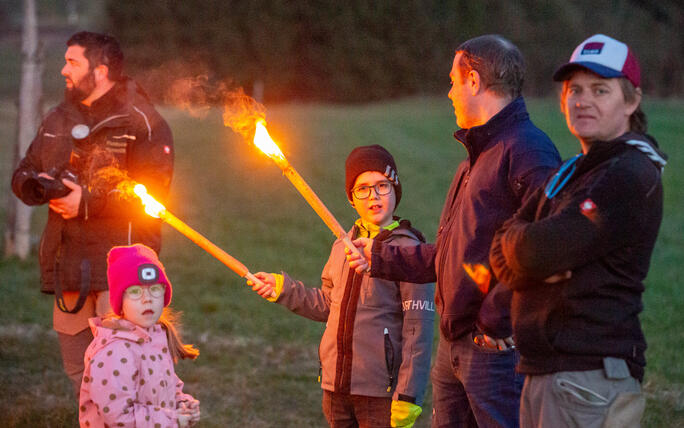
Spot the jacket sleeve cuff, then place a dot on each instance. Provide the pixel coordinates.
(407, 398)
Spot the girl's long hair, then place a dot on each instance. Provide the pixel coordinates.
(170, 322)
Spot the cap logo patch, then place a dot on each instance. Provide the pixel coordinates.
(148, 274)
(592, 48)
(391, 175)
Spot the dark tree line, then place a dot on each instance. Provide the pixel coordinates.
(360, 50)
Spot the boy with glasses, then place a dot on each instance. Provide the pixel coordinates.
(376, 348)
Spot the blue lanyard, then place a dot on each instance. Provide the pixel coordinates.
(562, 176)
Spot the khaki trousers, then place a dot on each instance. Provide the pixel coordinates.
(74, 334)
(586, 399)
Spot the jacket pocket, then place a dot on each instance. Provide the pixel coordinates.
(535, 331)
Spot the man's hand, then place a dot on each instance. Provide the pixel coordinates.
(493, 343)
(67, 206)
(356, 262)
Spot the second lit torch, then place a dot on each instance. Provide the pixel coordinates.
(264, 142)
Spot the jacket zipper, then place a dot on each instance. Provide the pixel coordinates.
(455, 203)
(389, 358)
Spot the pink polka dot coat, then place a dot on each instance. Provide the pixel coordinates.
(129, 380)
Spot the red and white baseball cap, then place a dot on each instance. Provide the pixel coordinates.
(604, 56)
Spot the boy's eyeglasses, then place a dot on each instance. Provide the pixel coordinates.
(382, 188)
(135, 292)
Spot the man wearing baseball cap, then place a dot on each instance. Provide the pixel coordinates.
(578, 251)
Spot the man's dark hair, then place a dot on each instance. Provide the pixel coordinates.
(100, 49)
(499, 63)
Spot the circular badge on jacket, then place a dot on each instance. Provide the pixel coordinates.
(80, 131)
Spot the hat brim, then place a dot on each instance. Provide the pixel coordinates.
(564, 72)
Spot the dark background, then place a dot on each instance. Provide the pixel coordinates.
(357, 50)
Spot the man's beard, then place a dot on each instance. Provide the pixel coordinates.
(82, 90)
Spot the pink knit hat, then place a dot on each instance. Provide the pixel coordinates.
(134, 265)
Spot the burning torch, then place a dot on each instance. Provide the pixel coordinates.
(157, 210)
(266, 144)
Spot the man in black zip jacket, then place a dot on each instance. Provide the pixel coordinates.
(106, 124)
(473, 378)
(577, 252)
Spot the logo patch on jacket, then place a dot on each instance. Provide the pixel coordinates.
(588, 209)
(418, 305)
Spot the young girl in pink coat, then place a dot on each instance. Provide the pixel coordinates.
(129, 380)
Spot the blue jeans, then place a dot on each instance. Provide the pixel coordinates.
(474, 386)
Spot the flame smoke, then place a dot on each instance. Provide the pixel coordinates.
(196, 95)
(103, 174)
(242, 112)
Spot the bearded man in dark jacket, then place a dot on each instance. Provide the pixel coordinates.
(577, 252)
(105, 127)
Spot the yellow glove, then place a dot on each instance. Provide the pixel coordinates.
(404, 414)
(279, 280)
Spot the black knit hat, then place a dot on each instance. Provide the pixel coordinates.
(371, 158)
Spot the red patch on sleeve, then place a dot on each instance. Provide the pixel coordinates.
(588, 209)
(587, 206)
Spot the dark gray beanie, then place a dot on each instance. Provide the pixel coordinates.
(371, 158)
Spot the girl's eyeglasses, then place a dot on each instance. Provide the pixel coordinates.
(135, 292)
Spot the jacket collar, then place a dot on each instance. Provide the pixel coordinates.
(109, 104)
(475, 139)
(603, 150)
(114, 328)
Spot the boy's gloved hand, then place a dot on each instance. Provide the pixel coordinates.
(273, 285)
(404, 414)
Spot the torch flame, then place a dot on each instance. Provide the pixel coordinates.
(265, 143)
(152, 207)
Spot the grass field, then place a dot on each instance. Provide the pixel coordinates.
(258, 363)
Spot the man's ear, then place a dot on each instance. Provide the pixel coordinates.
(474, 82)
(631, 108)
(351, 202)
(101, 72)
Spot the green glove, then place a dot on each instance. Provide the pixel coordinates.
(404, 414)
